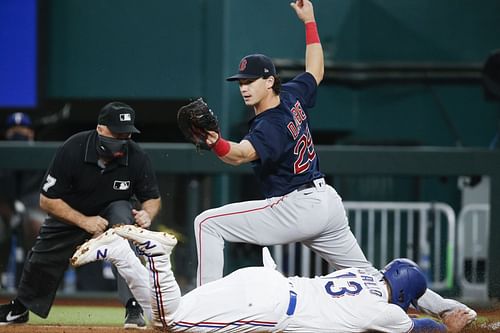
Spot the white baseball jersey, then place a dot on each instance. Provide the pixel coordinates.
(348, 300)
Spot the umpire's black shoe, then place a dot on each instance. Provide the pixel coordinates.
(13, 313)
(134, 316)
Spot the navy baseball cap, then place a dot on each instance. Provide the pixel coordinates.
(18, 119)
(254, 66)
(118, 117)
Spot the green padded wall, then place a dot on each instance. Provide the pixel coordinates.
(163, 50)
(124, 48)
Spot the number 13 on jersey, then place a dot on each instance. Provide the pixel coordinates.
(343, 285)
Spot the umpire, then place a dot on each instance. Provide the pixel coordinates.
(90, 185)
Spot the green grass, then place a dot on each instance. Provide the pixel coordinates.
(81, 315)
(113, 316)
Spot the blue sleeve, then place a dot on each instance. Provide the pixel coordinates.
(267, 140)
(304, 87)
(428, 326)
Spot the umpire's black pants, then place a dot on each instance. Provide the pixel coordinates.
(49, 258)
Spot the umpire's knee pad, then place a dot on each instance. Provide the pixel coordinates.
(118, 212)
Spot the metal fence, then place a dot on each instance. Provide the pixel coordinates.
(421, 231)
(472, 251)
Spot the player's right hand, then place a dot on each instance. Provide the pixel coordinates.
(94, 225)
(456, 320)
(212, 138)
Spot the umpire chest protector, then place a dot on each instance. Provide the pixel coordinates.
(77, 177)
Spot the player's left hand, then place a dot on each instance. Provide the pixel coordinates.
(142, 218)
(196, 120)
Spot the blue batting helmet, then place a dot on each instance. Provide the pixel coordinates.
(18, 119)
(406, 280)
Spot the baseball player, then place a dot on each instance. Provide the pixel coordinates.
(298, 206)
(88, 186)
(260, 299)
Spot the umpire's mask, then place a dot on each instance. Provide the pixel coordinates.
(111, 148)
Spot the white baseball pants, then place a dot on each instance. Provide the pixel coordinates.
(314, 216)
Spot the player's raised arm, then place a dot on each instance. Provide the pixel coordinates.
(314, 50)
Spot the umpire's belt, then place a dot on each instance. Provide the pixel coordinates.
(292, 304)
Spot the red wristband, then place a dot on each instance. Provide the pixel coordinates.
(312, 36)
(222, 147)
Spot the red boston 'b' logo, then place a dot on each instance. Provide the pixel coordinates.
(243, 65)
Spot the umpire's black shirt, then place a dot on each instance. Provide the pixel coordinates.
(75, 176)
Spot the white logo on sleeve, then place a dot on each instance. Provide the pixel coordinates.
(125, 117)
(121, 185)
(49, 182)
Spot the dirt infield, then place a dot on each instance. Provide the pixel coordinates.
(485, 327)
(492, 325)
(68, 329)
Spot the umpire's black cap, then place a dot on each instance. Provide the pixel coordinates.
(118, 117)
(254, 66)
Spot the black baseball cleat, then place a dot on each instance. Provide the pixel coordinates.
(13, 313)
(134, 317)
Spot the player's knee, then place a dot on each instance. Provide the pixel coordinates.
(201, 221)
(204, 222)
